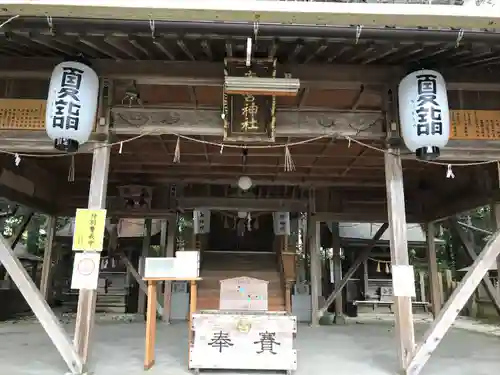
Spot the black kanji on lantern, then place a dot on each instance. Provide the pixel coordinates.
(220, 340)
(67, 106)
(267, 342)
(429, 116)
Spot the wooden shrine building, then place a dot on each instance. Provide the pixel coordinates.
(172, 136)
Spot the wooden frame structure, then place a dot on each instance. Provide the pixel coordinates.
(341, 130)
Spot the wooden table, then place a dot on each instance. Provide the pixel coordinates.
(149, 359)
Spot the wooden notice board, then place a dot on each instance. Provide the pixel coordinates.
(475, 125)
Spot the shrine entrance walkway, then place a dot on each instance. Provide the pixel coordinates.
(363, 348)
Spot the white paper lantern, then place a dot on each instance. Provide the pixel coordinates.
(244, 183)
(424, 113)
(71, 105)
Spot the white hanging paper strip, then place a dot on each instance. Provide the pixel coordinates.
(403, 281)
(281, 223)
(201, 218)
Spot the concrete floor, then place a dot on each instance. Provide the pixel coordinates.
(365, 347)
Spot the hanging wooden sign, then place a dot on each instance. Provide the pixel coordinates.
(201, 221)
(281, 223)
(249, 118)
(475, 125)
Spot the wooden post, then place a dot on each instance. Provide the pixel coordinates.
(312, 227)
(288, 297)
(365, 278)
(45, 280)
(87, 298)
(337, 273)
(149, 359)
(193, 299)
(40, 308)
(355, 265)
(146, 242)
(163, 253)
(421, 282)
(433, 269)
(447, 283)
(399, 252)
(454, 305)
(167, 294)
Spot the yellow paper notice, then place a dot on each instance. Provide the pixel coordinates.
(89, 230)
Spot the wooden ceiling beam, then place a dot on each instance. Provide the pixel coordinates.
(192, 73)
(290, 123)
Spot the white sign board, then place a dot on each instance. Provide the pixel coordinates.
(185, 265)
(281, 223)
(243, 293)
(159, 267)
(403, 281)
(201, 221)
(86, 270)
(244, 342)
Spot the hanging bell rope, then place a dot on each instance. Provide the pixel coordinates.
(289, 164)
(71, 170)
(378, 266)
(177, 152)
(387, 268)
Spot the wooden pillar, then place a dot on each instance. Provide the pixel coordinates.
(163, 253)
(288, 297)
(495, 216)
(365, 278)
(399, 252)
(193, 299)
(337, 273)
(170, 251)
(149, 358)
(46, 280)
(433, 269)
(87, 298)
(313, 227)
(146, 242)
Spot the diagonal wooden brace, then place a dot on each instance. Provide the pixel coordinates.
(142, 284)
(469, 249)
(455, 303)
(40, 308)
(359, 260)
